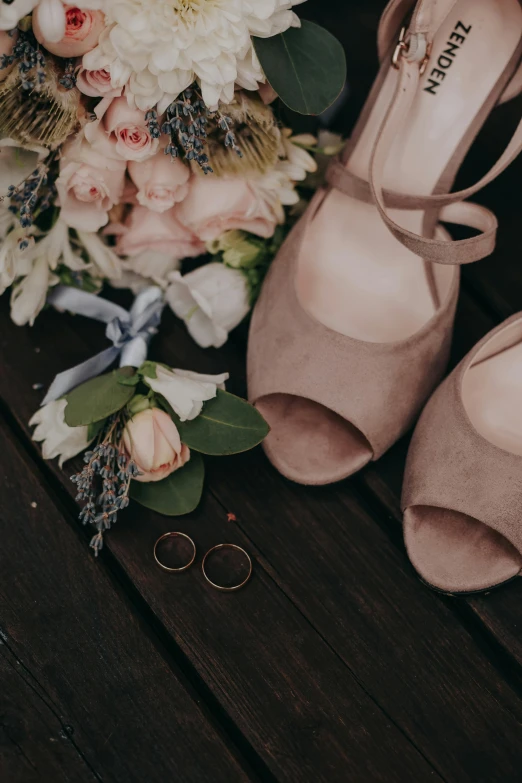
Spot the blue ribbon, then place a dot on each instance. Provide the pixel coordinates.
(130, 332)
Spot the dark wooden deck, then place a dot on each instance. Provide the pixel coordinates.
(335, 664)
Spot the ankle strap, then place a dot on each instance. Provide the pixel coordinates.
(454, 252)
(449, 205)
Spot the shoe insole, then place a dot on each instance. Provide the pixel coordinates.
(451, 550)
(353, 275)
(492, 395)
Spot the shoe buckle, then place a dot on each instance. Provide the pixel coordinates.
(402, 49)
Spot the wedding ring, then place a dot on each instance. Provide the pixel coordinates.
(170, 568)
(226, 588)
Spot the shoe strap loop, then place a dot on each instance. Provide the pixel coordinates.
(452, 252)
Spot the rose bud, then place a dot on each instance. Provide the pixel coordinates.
(82, 31)
(161, 181)
(97, 84)
(152, 441)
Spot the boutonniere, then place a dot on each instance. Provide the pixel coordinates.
(145, 426)
(145, 432)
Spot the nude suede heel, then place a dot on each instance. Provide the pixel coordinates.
(335, 397)
(463, 480)
(335, 403)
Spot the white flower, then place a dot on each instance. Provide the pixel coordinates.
(212, 300)
(277, 187)
(28, 297)
(104, 260)
(51, 15)
(130, 281)
(14, 253)
(35, 266)
(151, 267)
(11, 14)
(164, 45)
(295, 161)
(186, 391)
(57, 248)
(59, 440)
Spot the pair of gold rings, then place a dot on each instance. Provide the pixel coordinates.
(192, 556)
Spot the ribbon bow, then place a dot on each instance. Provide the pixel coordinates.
(129, 331)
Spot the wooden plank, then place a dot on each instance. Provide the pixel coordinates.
(32, 740)
(297, 704)
(334, 562)
(339, 568)
(85, 696)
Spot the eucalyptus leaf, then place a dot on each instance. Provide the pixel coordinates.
(305, 65)
(98, 398)
(175, 495)
(94, 429)
(148, 369)
(226, 425)
(133, 380)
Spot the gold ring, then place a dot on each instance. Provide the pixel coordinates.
(174, 535)
(223, 588)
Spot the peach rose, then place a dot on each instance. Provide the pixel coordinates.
(120, 131)
(87, 187)
(218, 204)
(152, 441)
(160, 180)
(82, 31)
(96, 84)
(161, 232)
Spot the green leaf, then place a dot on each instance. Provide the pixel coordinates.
(98, 398)
(133, 380)
(178, 494)
(305, 65)
(148, 369)
(94, 429)
(226, 425)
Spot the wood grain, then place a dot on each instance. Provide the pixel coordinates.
(335, 664)
(85, 695)
(296, 703)
(338, 566)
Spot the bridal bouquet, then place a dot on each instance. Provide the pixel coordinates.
(138, 133)
(140, 146)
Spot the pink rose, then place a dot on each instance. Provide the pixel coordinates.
(82, 31)
(152, 441)
(155, 231)
(218, 204)
(97, 84)
(120, 131)
(160, 180)
(87, 188)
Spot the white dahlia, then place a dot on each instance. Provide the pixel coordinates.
(159, 47)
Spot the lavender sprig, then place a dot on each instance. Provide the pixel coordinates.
(186, 123)
(30, 59)
(35, 194)
(103, 484)
(68, 80)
